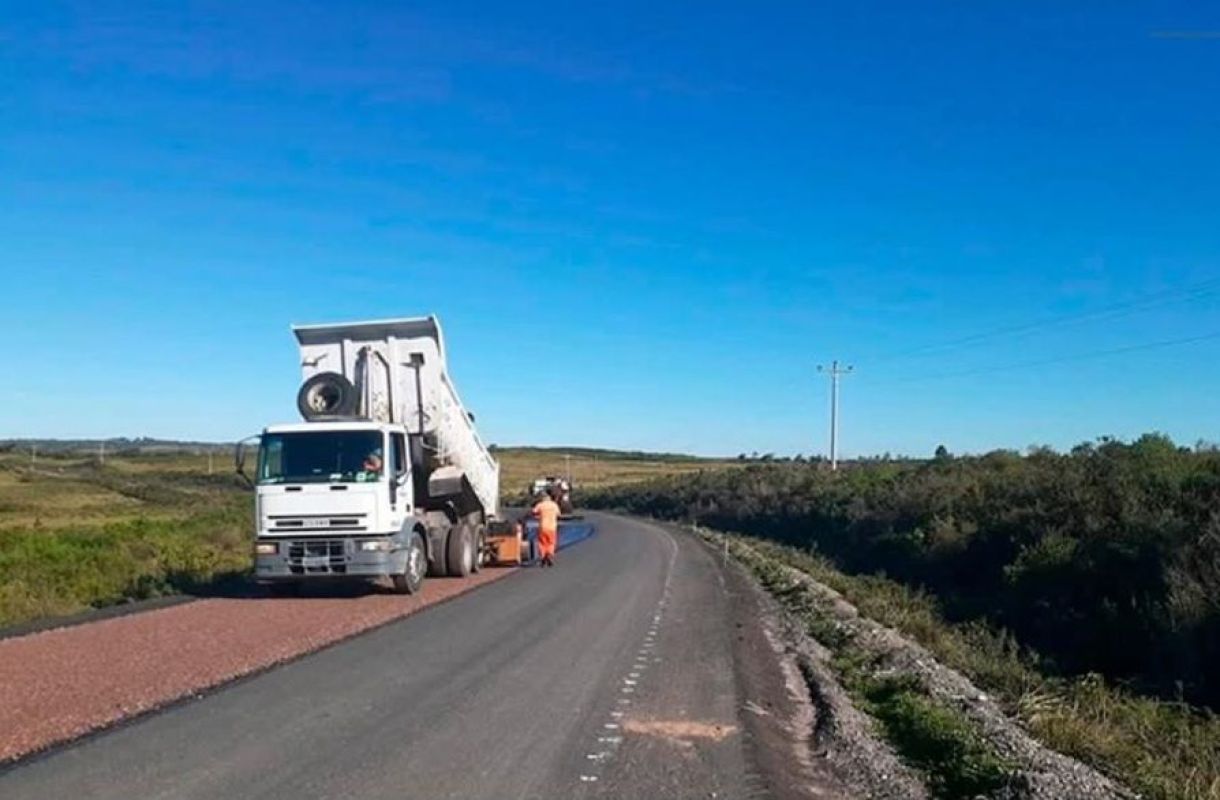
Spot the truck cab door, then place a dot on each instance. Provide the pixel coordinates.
(401, 498)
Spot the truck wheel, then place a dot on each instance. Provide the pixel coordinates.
(460, 551)
(412, 576)
(327, 394)
(480, 548)
(439, 566)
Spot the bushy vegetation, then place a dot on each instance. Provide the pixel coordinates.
(1164, 750)
(1105, 559)
(935, 739)
(75, 534)
(54, 573)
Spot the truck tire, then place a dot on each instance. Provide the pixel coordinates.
(438, 543)
(412, 576)
(480, 548)
(327, 394)
(460, 551)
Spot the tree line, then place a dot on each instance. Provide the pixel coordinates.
(1103, 559)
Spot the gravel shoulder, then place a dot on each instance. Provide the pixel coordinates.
(847, 740)
(59, 685)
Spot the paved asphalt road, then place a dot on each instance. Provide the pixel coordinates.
(610, 675)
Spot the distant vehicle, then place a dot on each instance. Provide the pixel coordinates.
(557, 488)
(386, 477)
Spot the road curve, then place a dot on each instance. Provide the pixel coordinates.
(611, 675)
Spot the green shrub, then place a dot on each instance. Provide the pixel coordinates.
(46, 573)
(935, 739)
(1105, 559)
(1165, 750)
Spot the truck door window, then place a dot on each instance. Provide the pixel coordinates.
(398, 454)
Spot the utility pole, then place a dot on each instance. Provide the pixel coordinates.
(101, 452)
(567, 468)
(835, 372)
(209, 461)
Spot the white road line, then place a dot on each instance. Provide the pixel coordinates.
(641, 662)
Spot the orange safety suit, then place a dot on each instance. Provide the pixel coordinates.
(547, 512)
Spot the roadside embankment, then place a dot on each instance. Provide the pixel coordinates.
(967, 717)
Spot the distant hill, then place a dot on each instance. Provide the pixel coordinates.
(120, 444)
(146, 444)
(600, 454)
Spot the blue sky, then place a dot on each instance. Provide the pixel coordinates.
(642, 225)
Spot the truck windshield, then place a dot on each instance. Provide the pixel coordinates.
(321, 457)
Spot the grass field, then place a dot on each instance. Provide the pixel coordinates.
(76, 490)
(590, 469)
(77, 533)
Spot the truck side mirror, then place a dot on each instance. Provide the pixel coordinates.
(239, 459)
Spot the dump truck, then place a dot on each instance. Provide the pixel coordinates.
(385, 477)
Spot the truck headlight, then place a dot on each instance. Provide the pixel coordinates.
(266, 548)
(376, 545)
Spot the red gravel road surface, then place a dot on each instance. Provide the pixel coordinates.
(61, 684)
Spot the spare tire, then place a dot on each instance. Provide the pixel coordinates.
(327, 394)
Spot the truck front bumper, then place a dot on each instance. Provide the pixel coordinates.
(322, 558)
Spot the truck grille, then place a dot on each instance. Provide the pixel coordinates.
(346, 523)
(318, 557)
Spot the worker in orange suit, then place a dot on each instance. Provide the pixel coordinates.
(547, 512)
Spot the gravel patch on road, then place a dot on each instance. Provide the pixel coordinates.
(62, 684)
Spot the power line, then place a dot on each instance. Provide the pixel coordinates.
(1113, 311)
(1062, 359)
